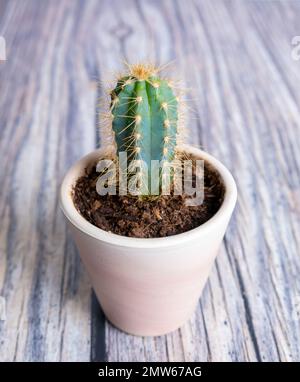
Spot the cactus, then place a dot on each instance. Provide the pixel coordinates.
(144, 110)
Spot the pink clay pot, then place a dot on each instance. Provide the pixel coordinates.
(148, 287)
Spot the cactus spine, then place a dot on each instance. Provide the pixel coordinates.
(144, 109)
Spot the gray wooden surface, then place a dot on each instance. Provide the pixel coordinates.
(236, 57)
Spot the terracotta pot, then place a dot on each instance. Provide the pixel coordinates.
(148, 287)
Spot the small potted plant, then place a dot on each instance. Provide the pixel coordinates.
(147, 242)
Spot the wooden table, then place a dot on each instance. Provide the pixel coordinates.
(237, 58)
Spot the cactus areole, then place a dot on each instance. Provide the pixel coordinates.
(145, 115)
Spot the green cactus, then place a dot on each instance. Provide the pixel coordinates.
(144, 109)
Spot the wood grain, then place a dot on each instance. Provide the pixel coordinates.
(244, 101)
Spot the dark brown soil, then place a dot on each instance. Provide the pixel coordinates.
(130, 216)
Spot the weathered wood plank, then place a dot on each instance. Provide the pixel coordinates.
(43, 119)
(243, 108)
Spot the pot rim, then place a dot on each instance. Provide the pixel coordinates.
(71, 213)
